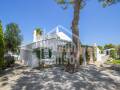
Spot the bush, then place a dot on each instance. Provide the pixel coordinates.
(9, 60)
(40, 53)
(113, 53)
(87, 56)
(117, 62)
(81, 60)
(37, 51)
(94, 55)
(50, 53)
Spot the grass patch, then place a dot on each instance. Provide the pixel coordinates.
(114, 62)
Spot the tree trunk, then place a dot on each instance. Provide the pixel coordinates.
(75, 32)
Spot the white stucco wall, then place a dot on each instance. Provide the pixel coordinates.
(101, 58)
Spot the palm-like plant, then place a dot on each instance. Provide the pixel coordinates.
(38, 33)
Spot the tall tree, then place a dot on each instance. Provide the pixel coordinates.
(13, 37)
(1, 46)
(77, 5)
(108, 46)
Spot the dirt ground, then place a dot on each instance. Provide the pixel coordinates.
(87, 78)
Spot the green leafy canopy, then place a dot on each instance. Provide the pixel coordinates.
(65, 3)
(108, 2)
(39, 31)
(13, 37)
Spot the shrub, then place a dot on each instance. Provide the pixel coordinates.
(87, 56)
(9, 60)
(63, 58)
(81, 60)
(37, 52)
(113, 53)
(50, 53)
(40, 53)
(94, 55)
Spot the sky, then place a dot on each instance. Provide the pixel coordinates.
(97, 24)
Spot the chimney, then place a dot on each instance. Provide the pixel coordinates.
(34, 36)
(57, 29)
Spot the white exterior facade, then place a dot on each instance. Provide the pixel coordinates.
(49, 40)
(101, 58)
(52, 40)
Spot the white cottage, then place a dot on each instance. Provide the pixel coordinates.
(52, 40)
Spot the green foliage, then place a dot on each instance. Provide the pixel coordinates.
(101, 48)
(63, 55)
(77, 5)
(105, 3)
(81, 60)
(40, 53)
(113, 53)
(61, 1)
(108, 2)
(94, 55)
(66, 3)
(13, 37)
(118, 51)
(9, 61)
(50, 53)
(108, 46)
(87, 56)
(113, 62)
(39, 31)
(1, 46)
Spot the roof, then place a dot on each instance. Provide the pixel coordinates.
(60, 32)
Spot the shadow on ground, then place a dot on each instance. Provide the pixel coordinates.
(10, 70)
(115, 68)
(88, 78)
